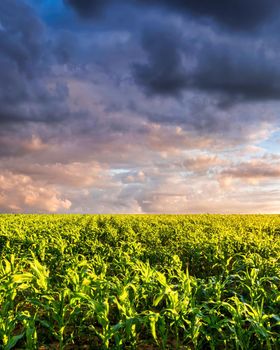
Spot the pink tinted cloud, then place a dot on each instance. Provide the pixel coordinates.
(252, 172)
(20, 193)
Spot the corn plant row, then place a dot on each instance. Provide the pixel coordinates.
(140, 282)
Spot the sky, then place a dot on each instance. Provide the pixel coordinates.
(139, 106)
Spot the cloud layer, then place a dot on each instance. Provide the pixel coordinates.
(142, 106)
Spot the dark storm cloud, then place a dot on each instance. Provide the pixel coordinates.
(25, 64)
(236, 70)
(88, 8)
(230, 69)
(242, 73)
(164, 73)
(235, 14)
(20, 36)
(20, 49)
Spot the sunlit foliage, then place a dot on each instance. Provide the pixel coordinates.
(139, 282)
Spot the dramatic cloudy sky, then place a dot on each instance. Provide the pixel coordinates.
(140, 106)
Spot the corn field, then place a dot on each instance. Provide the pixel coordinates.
(140, 282)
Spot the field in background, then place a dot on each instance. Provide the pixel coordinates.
(140, 282)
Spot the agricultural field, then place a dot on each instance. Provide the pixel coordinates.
(140, 282)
